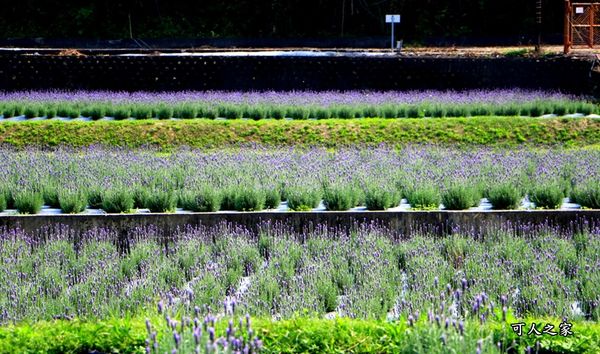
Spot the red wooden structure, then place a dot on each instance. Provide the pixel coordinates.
(582, 24)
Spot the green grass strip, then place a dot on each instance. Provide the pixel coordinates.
(201, 133)
(304, 335)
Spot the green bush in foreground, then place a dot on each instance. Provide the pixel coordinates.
(460, 197)
(380, 199)
(29, 202)
(423, 197)
(588, 196)
(160, 201)
(303, 199)
(3, 201)
(206, 199)
(248, 199)
(72, 202)
(117, 201)
(505, 196)
(547, 196)
(272, 199)
(338, 198)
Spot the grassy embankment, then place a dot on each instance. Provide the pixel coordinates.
(202, 133)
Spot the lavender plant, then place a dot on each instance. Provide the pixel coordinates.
(29, 202)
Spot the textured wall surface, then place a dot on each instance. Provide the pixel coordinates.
(400, 224)
(344, 72)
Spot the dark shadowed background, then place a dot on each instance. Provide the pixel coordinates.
(423, 21)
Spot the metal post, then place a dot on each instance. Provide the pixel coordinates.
(392, 35)
(592, 18)
(538, 46)
(567, 27)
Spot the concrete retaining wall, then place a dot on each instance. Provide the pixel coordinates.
(343, 72)
(400, 224)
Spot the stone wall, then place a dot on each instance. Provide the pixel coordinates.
(19, 71)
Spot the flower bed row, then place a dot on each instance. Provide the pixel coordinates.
(207, 199)
(449, 290)
(192, 110)
(255, 178)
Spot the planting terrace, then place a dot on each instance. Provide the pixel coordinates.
(298, 202)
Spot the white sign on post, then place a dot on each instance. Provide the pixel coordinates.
(393, 19)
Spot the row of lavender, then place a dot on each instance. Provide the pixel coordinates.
(254, 178)
(364, 274)
(295, 105)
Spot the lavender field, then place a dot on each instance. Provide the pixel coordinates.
(256, 178)
(291, 105)
(361, 275)
(278, 274)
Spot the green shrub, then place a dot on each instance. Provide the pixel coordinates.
(50, 111)
(29, 202)
(370, 111)
(72, 202)
(50, 195)
(160, 201)
(507, 110)
(97, 111)
(31, 111)
(547, 196)
(164, 111)
(344, 112)
(94, 198)
(66, 110)
(338, 198)
(439, 111)
(402, 111)
(459, 197)
(298, 112)
(228, 196)
(8, 110)
(256, 112)
(117, 201)
(278, 112)
(389, 111)
(588, 195)
(141, 111)
(231, 111)
(209, 113)
(303, 199)
(122, 112)
(381, 199)
(560, 109)
(415, 111)
(505, 196)
(205, 199)
(535, 110)
(272, 199)
(322, 113)
(585, 108)
(423, 197)
(189, 111)
(141, 195)
(457, 110)
(250, 199)
(3, 201)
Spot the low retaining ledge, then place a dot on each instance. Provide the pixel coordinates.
(400, 224)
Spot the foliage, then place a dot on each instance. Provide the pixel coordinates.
(29, 202)
(117, 201)
(547, 196)
(505, 196)
(72, 202)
